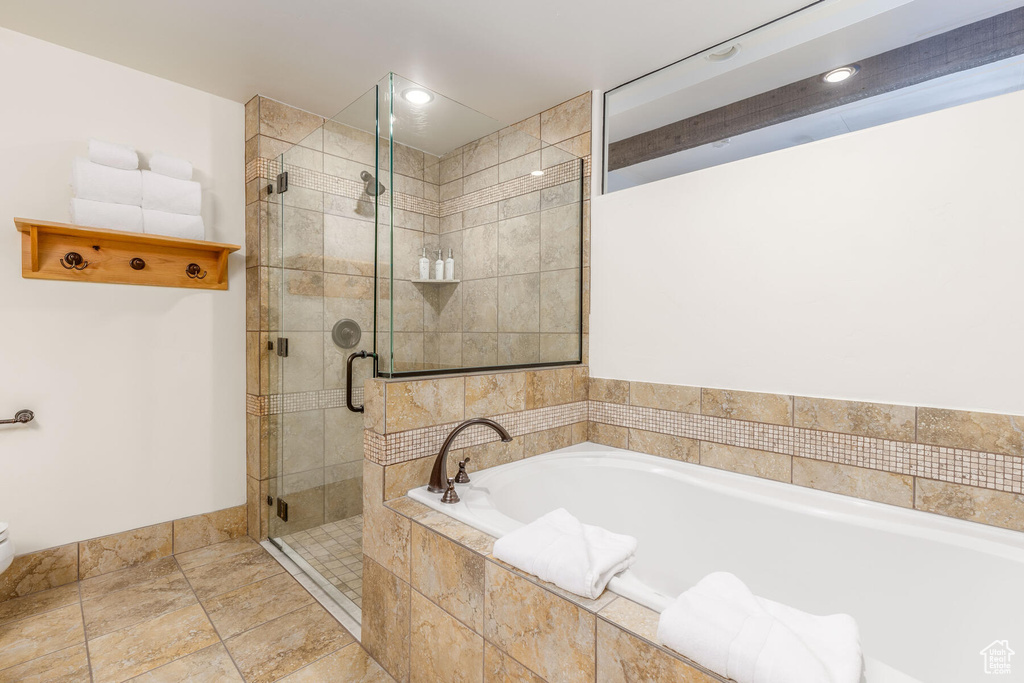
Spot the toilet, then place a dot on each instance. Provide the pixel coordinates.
(6, 549)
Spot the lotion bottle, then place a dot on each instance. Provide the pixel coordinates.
(439, 267)
(449, 266)
(424, 266)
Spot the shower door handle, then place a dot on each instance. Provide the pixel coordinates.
(348, 378)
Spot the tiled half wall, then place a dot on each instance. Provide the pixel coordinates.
(961, 464)
(53, 567)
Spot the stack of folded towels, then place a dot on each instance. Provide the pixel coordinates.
(111, 192)
(560, 549)
(721, 625)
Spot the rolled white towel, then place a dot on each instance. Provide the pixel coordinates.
(163, 193)
(721, 625)
(115, 156)
(173, 224)
(106, 215)
(171, 167)
(101, 183)
(560, 549)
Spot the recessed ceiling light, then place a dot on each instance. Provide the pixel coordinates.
(841, 74)
(537, 173)
(417, 95)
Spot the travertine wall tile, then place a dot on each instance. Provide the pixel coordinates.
(997, 508)
(551, 636)
(609, 390)
(878, 420)
(442, 649)
(495, 394)
(567, 120)
(213, 527)
(39, 571)
(401, 478)
(882, 487)
(748, 405)
(746, 461)
(608, 435)
(550, 387)
(386, 539)
(537, 443)
(449, 575)
(500, 668)
(623, 658)
(976, 431)
(664, 445)
(286, 123)
(386, 619)
(680, 399)
(423, 403)
(128, 548)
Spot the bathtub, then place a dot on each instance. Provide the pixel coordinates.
(928, 592)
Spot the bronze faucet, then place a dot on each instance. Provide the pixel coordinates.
(440, 472)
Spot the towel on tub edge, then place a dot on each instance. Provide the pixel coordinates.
(560, 549)
(721, 625)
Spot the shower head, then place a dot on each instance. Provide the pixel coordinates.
(373, 188)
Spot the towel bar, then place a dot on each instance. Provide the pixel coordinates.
(20, 417)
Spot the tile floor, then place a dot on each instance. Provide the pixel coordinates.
(227, 612)
(335, 550)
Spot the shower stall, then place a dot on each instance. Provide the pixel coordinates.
(402, 173)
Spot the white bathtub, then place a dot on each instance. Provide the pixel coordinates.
(928, 592)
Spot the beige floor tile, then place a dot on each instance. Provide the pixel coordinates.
(282, 646)
(212, 553)
(40, 635)
(212, 665)
(249, 606)
(123, 654)
(232, 572)
(37, 603)
(350, 664)
(136, 604)
(119, 580)
(70, 665)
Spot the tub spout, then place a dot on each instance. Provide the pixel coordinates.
(439, 474)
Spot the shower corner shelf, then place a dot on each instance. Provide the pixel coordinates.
(437, 282)
(116, 256)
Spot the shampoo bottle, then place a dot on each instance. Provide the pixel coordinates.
(439, 267)
(424, 266)
(449, 266)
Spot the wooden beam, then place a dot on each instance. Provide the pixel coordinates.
(983, 42)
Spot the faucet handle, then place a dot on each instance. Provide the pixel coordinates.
(462, 477)
(450, 496)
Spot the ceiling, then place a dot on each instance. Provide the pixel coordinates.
(506, 60)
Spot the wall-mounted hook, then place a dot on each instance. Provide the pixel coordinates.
(74, 260)
(137, 263)
(192, 270)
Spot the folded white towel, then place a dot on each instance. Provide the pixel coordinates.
(560, 549)
(105, 184)
(115, 156)
(171, 166)
(173, 224)
(106, 215)
(721, 625)
(163, 193)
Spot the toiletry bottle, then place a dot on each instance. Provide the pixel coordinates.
(449, 266)
(424, 266)
(439, 267)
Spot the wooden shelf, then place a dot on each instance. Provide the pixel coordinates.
(437, 282)
(109, 252)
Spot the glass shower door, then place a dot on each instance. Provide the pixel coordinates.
(321, 277)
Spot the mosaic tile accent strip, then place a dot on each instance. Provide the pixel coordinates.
(275, 404)
(391, 449)
(954, 465)
(316, 180)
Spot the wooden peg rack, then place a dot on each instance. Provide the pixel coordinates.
(59, 251)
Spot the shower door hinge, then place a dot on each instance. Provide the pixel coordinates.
(282, 182)
(282, 347)
(282, 510)
(270, 501)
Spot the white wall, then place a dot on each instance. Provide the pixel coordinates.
(138, 391)
(885, 265)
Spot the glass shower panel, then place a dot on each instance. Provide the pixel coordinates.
(322, 310)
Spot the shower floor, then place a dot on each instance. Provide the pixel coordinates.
(335, 551)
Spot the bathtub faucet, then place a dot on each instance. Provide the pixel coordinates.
(439, 475)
